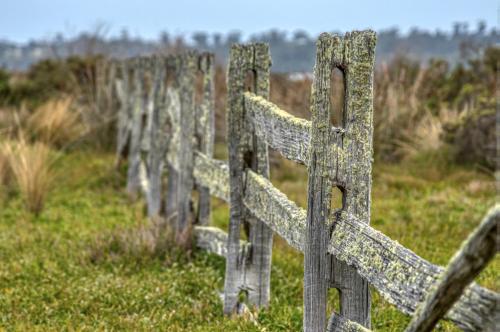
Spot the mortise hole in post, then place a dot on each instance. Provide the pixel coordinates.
(337, 199)
(243, 296)
(198, 86)
(333, 301)
(337, 97)
(250, 81)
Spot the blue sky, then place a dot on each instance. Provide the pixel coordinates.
(21, 20)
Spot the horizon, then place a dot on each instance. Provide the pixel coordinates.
(48, 20)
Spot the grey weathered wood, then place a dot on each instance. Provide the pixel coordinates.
(110, 88)
(122, 123)
(171, 206)
(212, 174)
(149, 87)
(173, 108)
(258, 273)
(316, 260)
(240, 59)
(401, 277)
(159, 139)
(338, 323)
(100, 83)
(246, 151)
(214, 240)
(472, 258)
(124, 94)
(283, 132)
(134, 156)
(356, 61)
(185, 182)
(272, 207)
(205, 126)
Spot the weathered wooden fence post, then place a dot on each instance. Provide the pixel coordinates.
(354, 56)
(185, 183)
(173, 110)
(124, 94)
(357, 65)
(205, 129)
(159, 139)
(316, 260)
(149, 104)
(246, 151)
(134, 156)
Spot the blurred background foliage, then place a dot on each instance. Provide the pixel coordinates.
(419, 107)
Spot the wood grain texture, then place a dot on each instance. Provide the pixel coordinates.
(272, 207)
(338, 323)
(399, 275)
(316, 260)
(212, 174)
(134, 155)
(287, 134)
(402, 277)
(124, 96)
(173, 108)
(205, 126)
(258, 273)
(356, 59)
(214, 240)
(472, 258)
(283, 132)
(246, 151)
(185, 182)
(159, 139)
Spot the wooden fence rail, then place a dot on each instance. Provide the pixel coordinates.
(166, 121)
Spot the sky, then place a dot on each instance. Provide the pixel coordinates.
(23, 20)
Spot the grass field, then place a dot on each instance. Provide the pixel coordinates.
(71, 268)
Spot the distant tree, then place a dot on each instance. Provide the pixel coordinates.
(217, 39)
(233, 37)
(300, 37)
(164, 39)
(481, 27)
(124, 34)
(201, 39)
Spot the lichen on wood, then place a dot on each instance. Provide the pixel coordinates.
(212, 174)
(472, 258)
(205, 126)
(134, 155)
(272, 207)
(214, 240)
(337, 323)
(281, 131)
(159, 139)
(402, 277)
(246, 151)
(185, 183)
(124, 95)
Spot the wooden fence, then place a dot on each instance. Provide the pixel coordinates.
(167, 126)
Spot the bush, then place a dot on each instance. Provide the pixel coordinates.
(472, 137)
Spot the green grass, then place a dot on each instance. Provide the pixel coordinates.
(50, 278)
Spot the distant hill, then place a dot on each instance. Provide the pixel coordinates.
(291, 52)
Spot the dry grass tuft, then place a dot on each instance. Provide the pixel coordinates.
(4, 171)
(55, 123)
(426, 135)
(32, 168)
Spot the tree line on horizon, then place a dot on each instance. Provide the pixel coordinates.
(291, 51)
